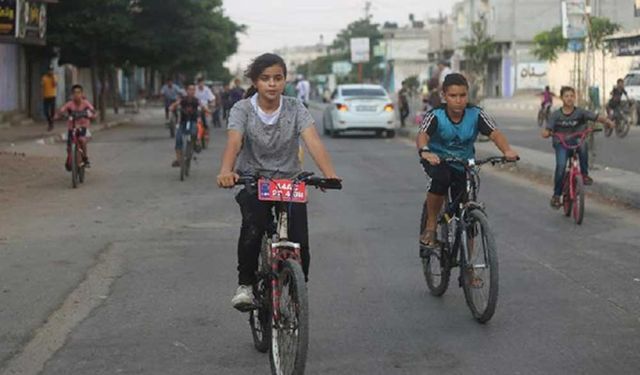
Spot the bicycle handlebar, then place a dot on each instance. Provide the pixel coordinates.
(562, 137)
(469, 163)
(306, 177)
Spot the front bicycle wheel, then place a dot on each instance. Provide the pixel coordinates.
(578, 203)
(567, 203)
(260, 319)
(290, 330)
(479, 271)
(435, 265)
(74, 166)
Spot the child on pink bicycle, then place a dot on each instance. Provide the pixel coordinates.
(80, 110)
(570, 122)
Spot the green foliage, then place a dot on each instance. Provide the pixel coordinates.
(478, 49)
(339, 49)
(549, 43)
(601, 27)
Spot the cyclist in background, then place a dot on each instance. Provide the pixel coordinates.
(206, 98)
(616, 98)
(570, 119)
(451, 131)
(170, 92)
(188, 107)
(83, 112)
(547, 99)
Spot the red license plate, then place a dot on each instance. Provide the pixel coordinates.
(282, 191)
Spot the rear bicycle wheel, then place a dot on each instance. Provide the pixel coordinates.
(74, 165)
(435, 265)
(80, 168)
(290, 332)
(540, 117)
(578, 204)
(479, 270)
(260, 319)
(623, 126)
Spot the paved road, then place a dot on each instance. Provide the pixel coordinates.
(133, 273)
(522, 130)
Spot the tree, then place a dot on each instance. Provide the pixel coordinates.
(600, 28)
(186, 36)
(91, 34)
(477, 51)
(549, 43)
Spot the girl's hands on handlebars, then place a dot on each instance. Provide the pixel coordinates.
(227, 180)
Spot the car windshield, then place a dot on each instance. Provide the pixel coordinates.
(632, 80)
(363, 92)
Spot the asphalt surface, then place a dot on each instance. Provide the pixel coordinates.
(522, 130)
(133, 273)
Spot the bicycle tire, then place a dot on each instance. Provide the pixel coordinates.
(183, 159)
(608, 132)
(540, 118)
(189, 153)
(438, 283)
(622, 128)
(74, 166)
(80, 170)
(567, 203)
(291, 359)
(259, 319)
(481, 314)
(578, 204)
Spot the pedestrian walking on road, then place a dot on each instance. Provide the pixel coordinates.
(49, 90)
(403, 103)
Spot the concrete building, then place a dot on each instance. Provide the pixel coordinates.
(405, 53)
(299, 55)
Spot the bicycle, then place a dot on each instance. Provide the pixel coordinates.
(573, 192)
(202, 133)
(188, 145)
(622, 117)
(75, 155)
(462, 220)
(543, 115)
(280, 321)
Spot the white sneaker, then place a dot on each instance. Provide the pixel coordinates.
(243, 300)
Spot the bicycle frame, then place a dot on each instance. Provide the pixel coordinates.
(572, 169)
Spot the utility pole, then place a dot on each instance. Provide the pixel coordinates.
(367, 10)
(441, 42)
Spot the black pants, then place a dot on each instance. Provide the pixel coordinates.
(445, 177)
(404, 113)
(49, 107)
(256, 217)
(215, 118)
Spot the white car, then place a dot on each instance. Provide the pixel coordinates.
(360, 108)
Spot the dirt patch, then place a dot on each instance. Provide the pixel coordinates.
(21, 174)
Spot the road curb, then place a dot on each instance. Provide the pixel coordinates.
(610, 183)
(62, 137)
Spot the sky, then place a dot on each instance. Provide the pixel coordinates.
(278, 23)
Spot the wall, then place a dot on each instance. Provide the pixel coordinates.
(561, 71)
(9, 75)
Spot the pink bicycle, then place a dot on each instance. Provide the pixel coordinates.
(573, 192)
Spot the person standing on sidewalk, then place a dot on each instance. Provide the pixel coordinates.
(570, 119)
(49, 90)
(403, 103)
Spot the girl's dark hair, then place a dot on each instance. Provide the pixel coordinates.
(259, 65)
(454, 79)
(564, 89)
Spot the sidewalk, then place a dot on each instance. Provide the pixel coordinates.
(524, 102)
(37, 131)
(610, 183)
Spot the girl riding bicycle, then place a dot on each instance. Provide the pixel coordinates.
(264, 132)
(568, 120)
(80, 113)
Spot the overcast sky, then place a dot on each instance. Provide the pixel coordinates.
(278, 23)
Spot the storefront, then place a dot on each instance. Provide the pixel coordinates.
(22, 23)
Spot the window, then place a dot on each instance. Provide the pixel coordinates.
(632, 79)
(363, 92)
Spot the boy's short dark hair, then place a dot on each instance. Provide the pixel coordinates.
(565, 89)
(76, 86)
(454, 79)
